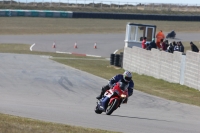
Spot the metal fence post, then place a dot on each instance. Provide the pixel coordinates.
(187, 7)
(93, 3)
(178, 7)
(110, 4)
(196, 7)
(84, 3)
(118, 5)
(152, 6)
(101, 4)
(127, 6)
(10, 2)
(169, 7)
(76, 2)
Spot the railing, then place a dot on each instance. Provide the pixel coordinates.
(105, 4)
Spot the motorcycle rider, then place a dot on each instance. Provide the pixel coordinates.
(126, 78)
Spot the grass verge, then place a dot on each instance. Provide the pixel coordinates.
(97, 8)
(28, 25)
(14, 124)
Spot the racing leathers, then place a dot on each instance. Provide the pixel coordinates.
(111, 83)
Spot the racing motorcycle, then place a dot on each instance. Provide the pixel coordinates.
(172, 34)
(112, 99)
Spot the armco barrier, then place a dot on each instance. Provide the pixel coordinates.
(35, 13)
(136, 16)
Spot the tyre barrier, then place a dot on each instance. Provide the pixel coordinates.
(116, 60)
(112, 56)
(35, 13)
(121, 60)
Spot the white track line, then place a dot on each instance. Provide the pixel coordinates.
(92, 55)
(63, 52)
(32, 47)
(115, 51)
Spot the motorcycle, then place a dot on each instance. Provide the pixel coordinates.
(172, 34)
(112, 99)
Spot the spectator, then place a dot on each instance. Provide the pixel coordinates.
(176, 47)
(151, 45)
(173, 44)
(167, 43)
(170, 48)
(144, 43)
(163, 45)
(159, 36)
(194, 47)
(181, 47)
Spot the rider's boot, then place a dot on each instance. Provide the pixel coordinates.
(100, 96)
(103, 90)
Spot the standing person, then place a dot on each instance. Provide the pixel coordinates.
(144, 43)
(170, 48)
(151, 45)
(163, 45)
(160, 35)
(194, 47)
(126, 78)
(181, 47)
(177, 47)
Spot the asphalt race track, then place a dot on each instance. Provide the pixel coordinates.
(39, 88)
(106, 43)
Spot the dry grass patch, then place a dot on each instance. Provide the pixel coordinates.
(14, 124)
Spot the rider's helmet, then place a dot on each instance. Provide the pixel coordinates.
(127, 76)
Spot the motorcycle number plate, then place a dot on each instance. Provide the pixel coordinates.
(108, 94)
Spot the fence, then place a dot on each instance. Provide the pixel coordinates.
(175, 68)
(105, 4)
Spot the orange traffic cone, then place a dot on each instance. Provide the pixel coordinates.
(95, 45)
(54, 45)
(75, 45)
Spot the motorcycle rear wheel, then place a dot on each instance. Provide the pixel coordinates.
(113, 106)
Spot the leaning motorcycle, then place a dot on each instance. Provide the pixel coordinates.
(172, 34)
(112, 99)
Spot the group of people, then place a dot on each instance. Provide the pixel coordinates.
(164, 45)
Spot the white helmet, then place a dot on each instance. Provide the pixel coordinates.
(127, 76)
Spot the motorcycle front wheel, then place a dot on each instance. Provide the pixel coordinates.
(96, 110)
(113, 106)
